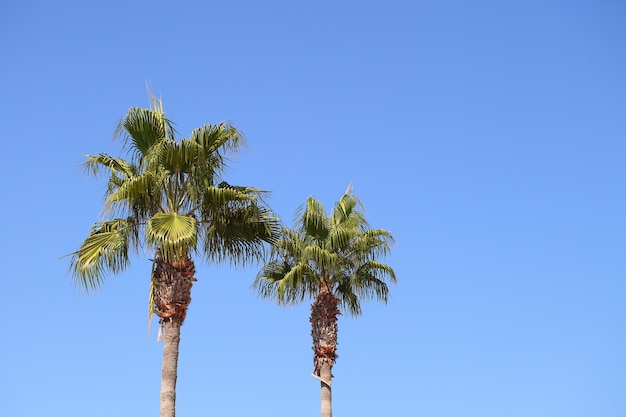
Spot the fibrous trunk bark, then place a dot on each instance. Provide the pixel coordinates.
(324, 312)
(172, 296)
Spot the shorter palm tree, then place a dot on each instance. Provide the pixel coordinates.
(335, 260)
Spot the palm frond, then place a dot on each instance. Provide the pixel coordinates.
(339, 238)
(104, 250)
(142, 128)
(349, 298)
(172, 235)
(238, 224)
(367, 283)
(323, 259)
(218, 139)
(286, 284)
(238, 234)
(373, 243)
(272, 272)
(343, 208)
(214, 199)
(290, 244)
(113, 166)
(299, 282)
(313, 219)
(138, 194)
(178, 157)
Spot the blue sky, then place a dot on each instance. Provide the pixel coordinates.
(487, 136)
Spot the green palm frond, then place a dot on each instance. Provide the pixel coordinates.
(299, 282)
(323, 259)
(218, 139)
(350, 298)
(268, 277)
(376, 270)
(339, 238)
(343, 208)
(104, 250)
(237, 223)
(172, 235)
(286, 284)
(178, 157)
(348, 213)
(238, 231)
(216, 199)
(142, 128)
(289, 246)
(113, 166)
(373, 243)
(367, 283)
(313, 219)
(138, 193)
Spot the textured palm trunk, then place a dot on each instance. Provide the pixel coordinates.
(324, 312)
(172, 295)
(169, 371)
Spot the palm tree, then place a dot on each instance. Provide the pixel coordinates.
(170, 199)
(335, 261)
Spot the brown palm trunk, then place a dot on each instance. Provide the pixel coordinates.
(169, 371)
(324, 312)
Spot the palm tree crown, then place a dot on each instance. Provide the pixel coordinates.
(170, 197)
(338, 254)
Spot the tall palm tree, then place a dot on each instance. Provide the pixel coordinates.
(168, 197)
(335, 260)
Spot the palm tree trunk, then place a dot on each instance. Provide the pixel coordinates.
(326, 394)
(172, 295)
(169, 372)
(324, 312)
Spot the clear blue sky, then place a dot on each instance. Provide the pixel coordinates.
(487, 136)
